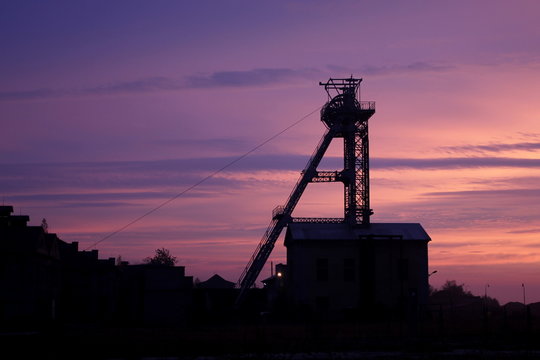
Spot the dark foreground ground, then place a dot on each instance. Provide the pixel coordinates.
(383, 340)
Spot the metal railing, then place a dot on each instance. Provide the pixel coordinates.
(262, 243)
(318, 220)
(278, 211)
(367, 105)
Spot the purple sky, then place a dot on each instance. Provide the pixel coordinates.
(110, 108)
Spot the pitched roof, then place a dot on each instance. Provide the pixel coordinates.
(216, 282)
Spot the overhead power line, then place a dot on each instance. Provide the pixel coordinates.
(185, 191)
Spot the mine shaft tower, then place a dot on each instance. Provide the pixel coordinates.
(345, 116)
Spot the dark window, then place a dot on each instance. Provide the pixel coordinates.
(349, 273)
(321, 270)
(403, 268)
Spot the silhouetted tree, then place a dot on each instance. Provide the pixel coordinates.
(44, 225)
(454, 293)
(161, 257)
(452, 288)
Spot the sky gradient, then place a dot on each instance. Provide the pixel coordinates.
(110, 108)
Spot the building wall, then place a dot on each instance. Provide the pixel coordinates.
(89, 291)
(30, 275)
(155, 295)
(316, 275)
(336, 278)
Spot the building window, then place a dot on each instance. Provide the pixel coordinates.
(321, 269)
(349, 273)
(403, 269)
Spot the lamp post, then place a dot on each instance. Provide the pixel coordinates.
(485, 291)
(431, 273)
(523, 286)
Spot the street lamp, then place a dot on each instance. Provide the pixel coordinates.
(431, 273)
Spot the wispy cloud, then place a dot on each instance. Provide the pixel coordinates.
(144, 85)
(214, 144)
(526, 231)
(255, 77)
(492, 148)
(374, 70)
(172, 172)
(217, 79)
(95, 199)
(246, 78)
(415, 67)
(32, 94)
(141, 85)
(500, 193)
(454, 163)
(176, 173)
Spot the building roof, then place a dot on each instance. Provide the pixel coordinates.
(320, 231)
(6, 210)
(216, 282)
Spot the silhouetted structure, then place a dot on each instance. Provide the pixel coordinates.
(276, 289)
(338, 271)
(345, 117)
(339, 264)
(44, 280)
(214, 300)
(155, 295)
(216, 282)
(90, 286)
(30, 276)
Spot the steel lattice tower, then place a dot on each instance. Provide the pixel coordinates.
(345, 116)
